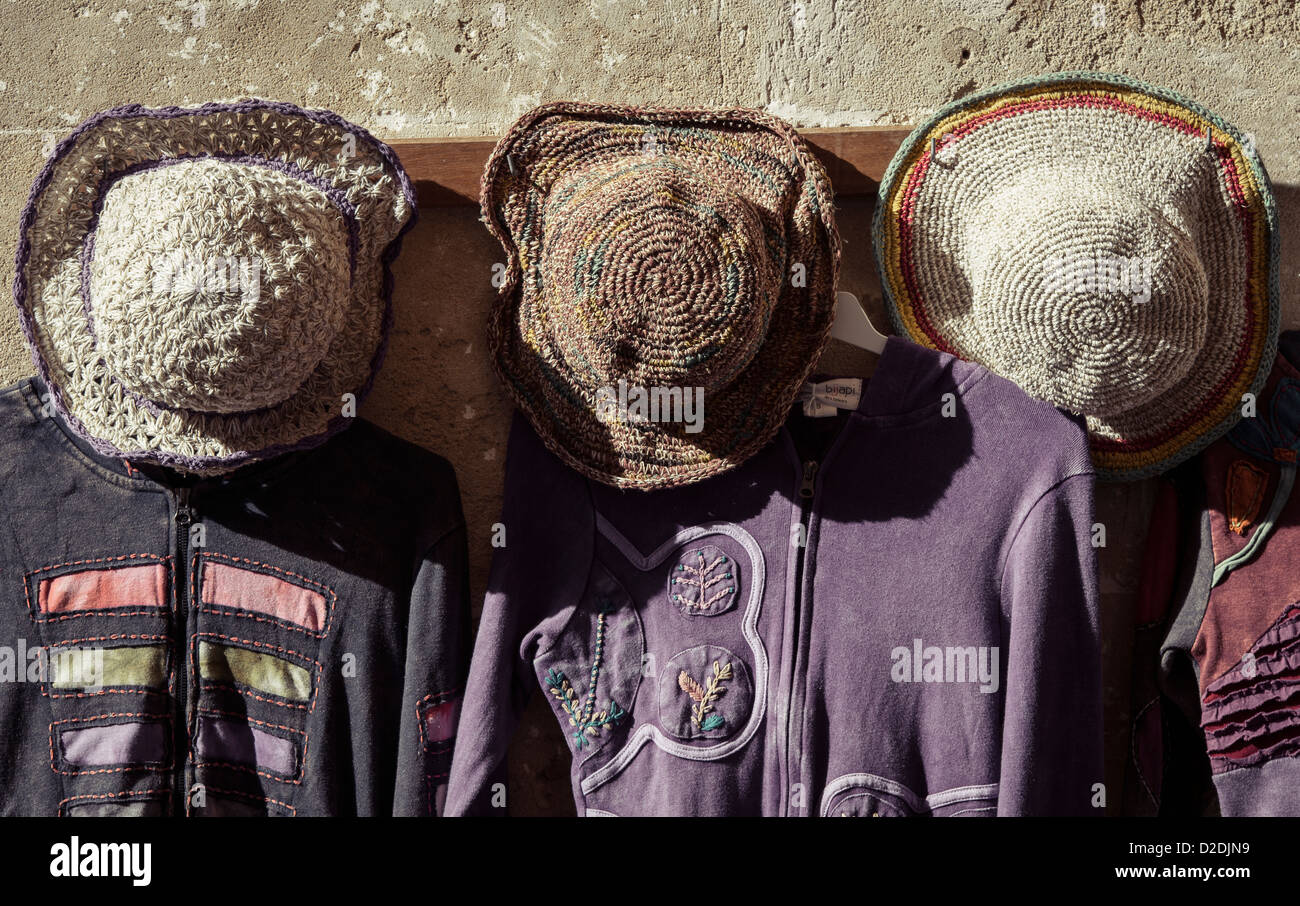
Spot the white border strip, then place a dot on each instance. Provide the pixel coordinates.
(875, 783)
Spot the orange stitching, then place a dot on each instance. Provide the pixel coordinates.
(257, 644)
(45, 569)
(127, 794)
(111, 637)
(227, 687)
(157, 611)
(239, 794)
(140, 690)
(165, 765)
(295, 778)
(223, 610)
(251, 720)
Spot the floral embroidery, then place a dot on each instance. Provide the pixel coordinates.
(719, 699)
(703, 582)
(583, 717)
(702, 714)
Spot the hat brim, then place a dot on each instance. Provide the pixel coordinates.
(341, 163)
(1241, 337)
(549, 145)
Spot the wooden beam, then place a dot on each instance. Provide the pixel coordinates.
(446, 170)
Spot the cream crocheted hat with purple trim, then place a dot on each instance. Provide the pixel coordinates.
(203, 287)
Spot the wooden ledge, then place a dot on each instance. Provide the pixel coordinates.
(446, 170)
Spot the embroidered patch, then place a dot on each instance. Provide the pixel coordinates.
(592, 673)
(72, 667)
(703, 582)
(585, 720)
(254, 669)
(240, 742)
(129, 585)
(110, 743)
(1246, 483)
(264, 592)
(704, 693)
(437, 715)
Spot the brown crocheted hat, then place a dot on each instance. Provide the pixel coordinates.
(661, 265)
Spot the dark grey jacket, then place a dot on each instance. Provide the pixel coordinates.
(289, 639)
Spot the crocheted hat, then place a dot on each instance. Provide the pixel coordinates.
(669, 257)
(201, 287)
(1080, 235)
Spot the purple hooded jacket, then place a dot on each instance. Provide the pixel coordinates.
(888, 612)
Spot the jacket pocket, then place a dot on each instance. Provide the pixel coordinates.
(592, 672)
(872, 796)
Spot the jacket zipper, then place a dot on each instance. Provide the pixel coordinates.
(180, 653)
(807, 490)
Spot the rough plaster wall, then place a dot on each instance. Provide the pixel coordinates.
(446, 68)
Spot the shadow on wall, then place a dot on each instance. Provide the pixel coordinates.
(1288, 215)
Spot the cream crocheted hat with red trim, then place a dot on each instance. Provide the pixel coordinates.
(1080, 235)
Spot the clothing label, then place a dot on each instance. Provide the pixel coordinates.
(825, 398)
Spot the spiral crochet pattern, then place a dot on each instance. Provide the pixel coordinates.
(1076, 234)
(201, 286)
(663, 249)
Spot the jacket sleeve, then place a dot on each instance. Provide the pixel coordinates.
(541, 557)
(437, 647)
(1051, 733)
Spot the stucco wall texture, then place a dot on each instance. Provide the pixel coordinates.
(444, 67)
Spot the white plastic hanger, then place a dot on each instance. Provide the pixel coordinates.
(853, 326)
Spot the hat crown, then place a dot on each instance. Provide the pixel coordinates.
(1097, 294)
(655, 275)
(216, 286)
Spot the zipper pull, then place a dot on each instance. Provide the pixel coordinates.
(183, 512)
(809, 476)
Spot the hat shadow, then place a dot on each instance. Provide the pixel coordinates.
(1288, 216)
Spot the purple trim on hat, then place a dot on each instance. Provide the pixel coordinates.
(335, 195)
(24, 252)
